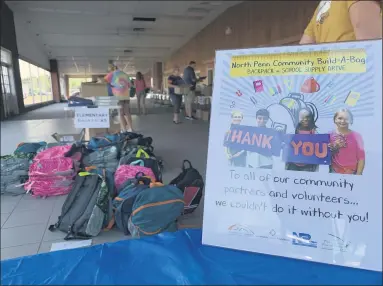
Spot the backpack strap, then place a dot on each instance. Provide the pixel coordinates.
(138, 163)
(142, 151)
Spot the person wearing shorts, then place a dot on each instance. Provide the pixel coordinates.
(190, 79)
(125, 116)
(173, 81)
(140, 92)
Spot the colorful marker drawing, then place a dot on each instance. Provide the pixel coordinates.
(330, 99)
(275, 90)
(330, 84)
(288, 83)
(291, 103)
(238, 93)
(352, 98)
(258, 86)
(253, 100)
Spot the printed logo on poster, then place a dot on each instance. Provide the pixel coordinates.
(240, 230)
(303, 239)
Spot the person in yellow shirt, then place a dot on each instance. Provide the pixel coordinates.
(338, 21)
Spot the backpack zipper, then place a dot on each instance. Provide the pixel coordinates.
(156, 204)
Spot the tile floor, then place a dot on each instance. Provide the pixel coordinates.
(25, 220)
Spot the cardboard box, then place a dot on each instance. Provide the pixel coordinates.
(69, 138)
(89, 89)
(182, 89)
(205, 115)
(91, 132)
(198, 114)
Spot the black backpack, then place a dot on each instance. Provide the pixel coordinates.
(191, 183)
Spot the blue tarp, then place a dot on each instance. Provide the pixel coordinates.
(173, 258)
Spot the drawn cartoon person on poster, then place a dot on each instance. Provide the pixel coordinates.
(284, 116)
(254, 159)
(348, 155)
(235, 156)
(306, 125)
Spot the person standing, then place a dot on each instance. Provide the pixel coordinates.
(306, 125)
(338, 21)
(190, 79)
(175, 80)
(124, 84)
(140, 86)
(236, 156)
(256, 160)
(348, 154)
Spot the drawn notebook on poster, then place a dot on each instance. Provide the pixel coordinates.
(352, 98)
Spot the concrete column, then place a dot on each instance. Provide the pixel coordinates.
(55, 80)
(157, 76)
(66, 82)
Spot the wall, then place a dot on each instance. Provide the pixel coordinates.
(253, 23)
(8, 41)
(29, 47)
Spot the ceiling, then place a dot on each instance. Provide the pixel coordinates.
(84, 35)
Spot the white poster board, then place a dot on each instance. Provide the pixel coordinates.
(274, 185)
(92, 118)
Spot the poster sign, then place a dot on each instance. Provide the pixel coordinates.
(298, 173)
(92, 118)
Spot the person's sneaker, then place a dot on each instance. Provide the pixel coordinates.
(194, 118)
(189, 118)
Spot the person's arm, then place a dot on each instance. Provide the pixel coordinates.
(238, 154)
(170, 82)
(360, 167)
(366, 19)
(361, 156)
(108, 77)
(308, 35)
(193, 76)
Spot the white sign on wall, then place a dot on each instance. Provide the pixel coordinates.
(295, 153)
(92, 118)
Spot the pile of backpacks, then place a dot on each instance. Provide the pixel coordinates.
(114, 180)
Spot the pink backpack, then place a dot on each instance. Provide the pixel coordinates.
(51, 173)
(56, 152)
(49, 186)
(126, 172)
(53, 167)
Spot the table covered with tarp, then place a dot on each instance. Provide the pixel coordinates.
(173, 258)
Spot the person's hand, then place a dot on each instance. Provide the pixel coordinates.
(229, 156)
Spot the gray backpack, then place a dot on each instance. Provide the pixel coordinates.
(87, 209)
(103, 158)
(14, 173)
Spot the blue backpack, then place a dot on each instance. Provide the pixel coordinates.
(29, 147)
(111, 139)
(155, 210)
(123, 202)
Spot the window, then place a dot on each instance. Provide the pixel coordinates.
(36, 83)
(8, 94)
(5, 81)
(75, 84)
